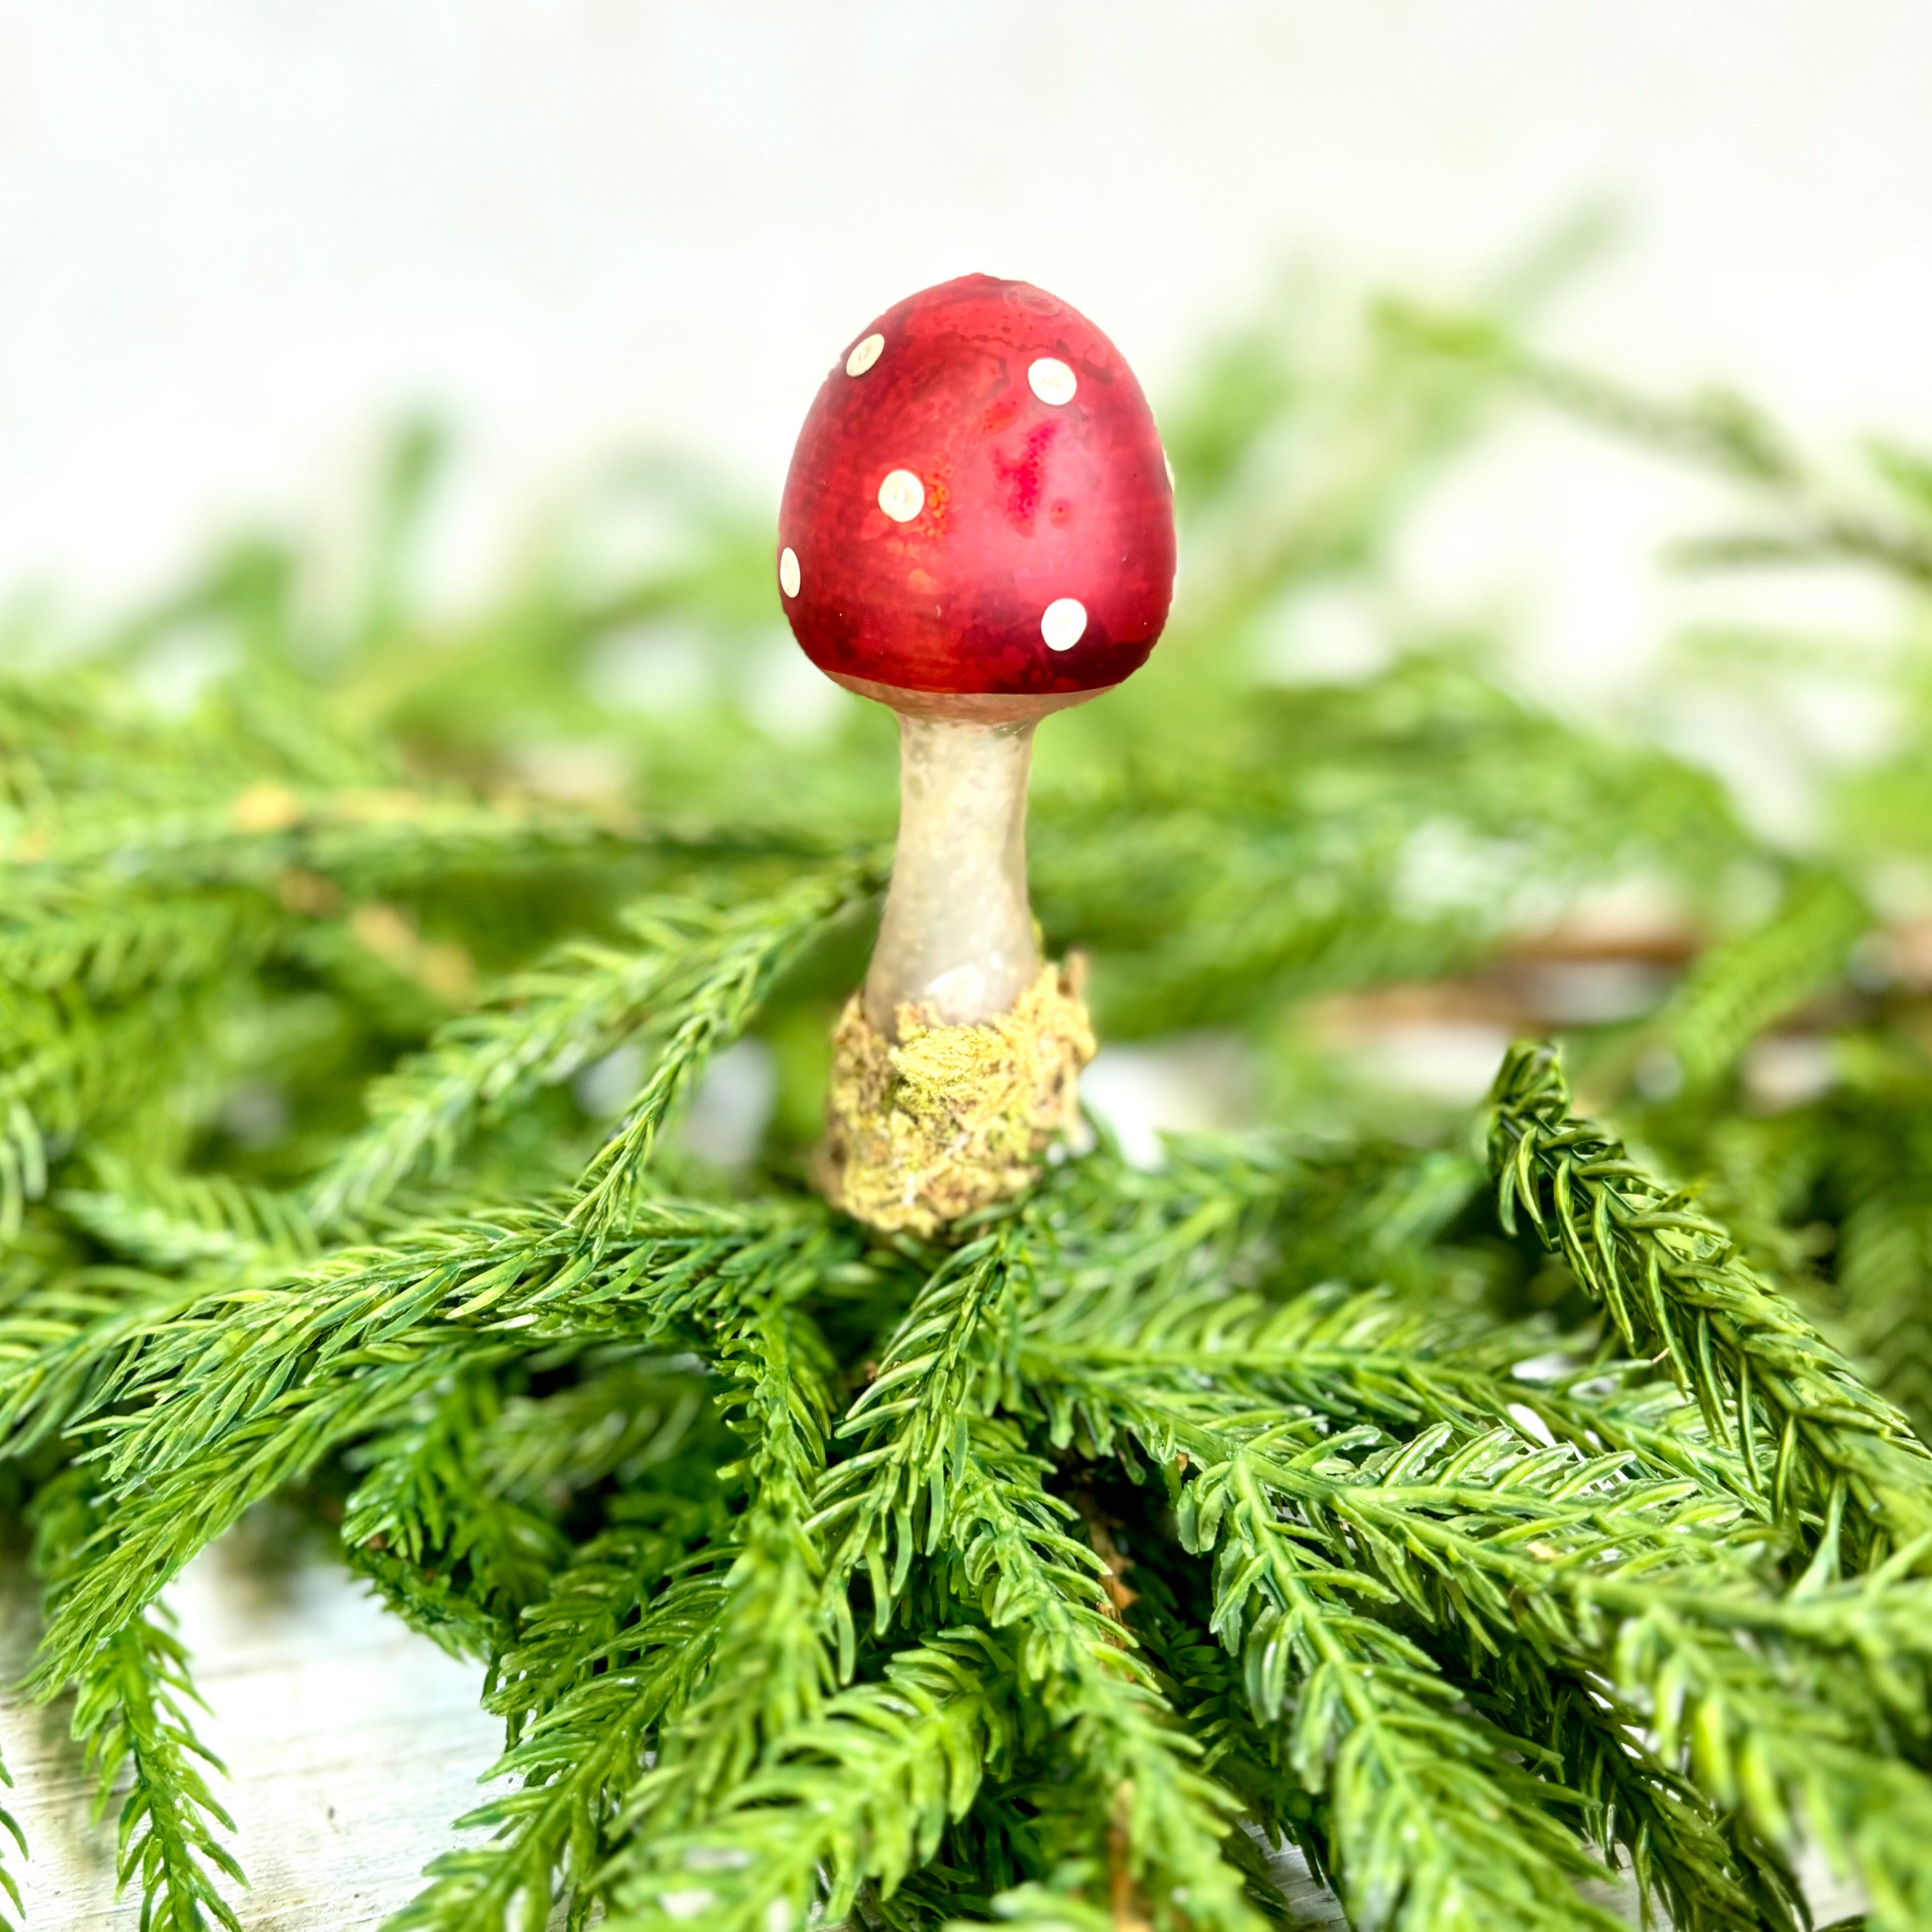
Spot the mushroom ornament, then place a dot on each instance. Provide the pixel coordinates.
(977, 529)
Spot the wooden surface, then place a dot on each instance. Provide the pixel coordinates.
(351, 1744)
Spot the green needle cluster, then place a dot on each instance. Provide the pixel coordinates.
(1519, 1507)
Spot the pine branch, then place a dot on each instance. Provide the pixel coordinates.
(1171, 1823)
(1366, 1357)
(1217, 886)
(962, 1301)
(770, 1663)
(629, 1418)
(1566, 1537)
(110, 945)
(578, 1759)
(459, 1522)
(130, 1710)
(938, 1368)
(931, 1482)
(9, 1883)
(692, 982)
(67, 1070)
(583, 1623)
(722, 1663)
(168, 1221)
(1737, 989)
(1876, 1169)
(856, 1790)
(1717, 430)
(1353, 1358)
(69, 730)
(619, 1641)
(1171, 1615)
(232, 1351)
(727, 979)
(1672, 1281)
(56, 1063)
(248, 1387)
(1149, 1292)
(1708, 1868)
(58, 1338)
(1433, 1822)
(1797, 1701)
(1786, 1757)
(1095, 1227)
(863, 1791)
(425, 1504)
(1884, 1261)
(364, 841)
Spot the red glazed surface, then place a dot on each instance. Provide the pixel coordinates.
(1026, 502)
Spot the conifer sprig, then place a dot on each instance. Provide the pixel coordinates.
(1497, 1553)
(1705, 1865)
(1878, 1298)
(730, 976)
(578, 1757)
(208, 1429)
(167, 1222)
(862, 1790)
(261, 834)
(1173, 1837)
(928, 1483)
(727, 1659)
(1810, 520)
(1732, 992)
(131, 1711)
(1672, 1281)
(9, 1884)
(694, 975)
(426, 1503)
(1433, 1821)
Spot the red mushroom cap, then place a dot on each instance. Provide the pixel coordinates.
(978, 503)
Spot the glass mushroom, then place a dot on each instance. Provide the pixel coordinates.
(977, 529)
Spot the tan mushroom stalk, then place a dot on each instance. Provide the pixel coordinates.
(956, 940)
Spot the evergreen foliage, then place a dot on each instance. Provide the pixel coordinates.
(1522, 1515)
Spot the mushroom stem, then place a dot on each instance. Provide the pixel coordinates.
(957, 938)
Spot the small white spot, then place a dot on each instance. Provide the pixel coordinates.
(865, 355)
(686, 1904)
(717, 1857)
(1051, 380)
(1169, 467)
(778, 1916)
(901, 496)
(1063, 623)
(788, 571)
(1531, 1424)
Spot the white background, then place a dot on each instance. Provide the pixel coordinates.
(236, 235)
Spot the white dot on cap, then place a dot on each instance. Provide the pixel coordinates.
(1063, 623)
(901, 496)
(864, 354)
(788, 571)
(1051, 380)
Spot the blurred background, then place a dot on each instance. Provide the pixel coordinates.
(439, 363)
(239, 239)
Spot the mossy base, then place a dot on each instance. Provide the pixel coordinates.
(950, 1118)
